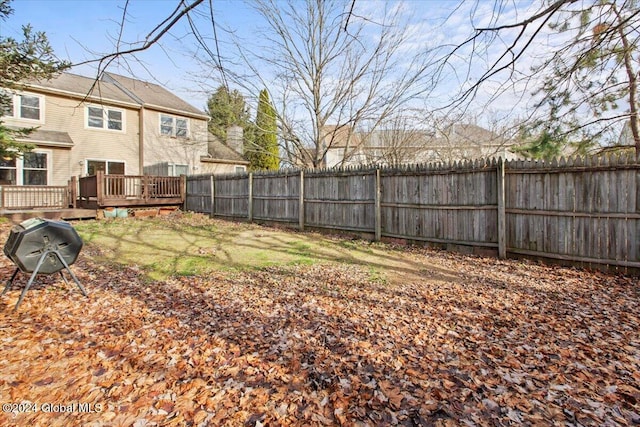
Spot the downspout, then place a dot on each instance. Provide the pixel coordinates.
(141, 140)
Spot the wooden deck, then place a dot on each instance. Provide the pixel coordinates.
(123, 191)
(17, 216)
(83, 197)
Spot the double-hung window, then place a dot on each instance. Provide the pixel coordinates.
(25, 106)
(174, 126)
(34, 169)
(99, 117)
(31, 169)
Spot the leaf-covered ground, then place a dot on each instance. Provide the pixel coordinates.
(453, 340)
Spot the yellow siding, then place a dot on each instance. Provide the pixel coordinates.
(185, 151)
(66, 114)
(218, 168)
(90, 143)
(61, 166)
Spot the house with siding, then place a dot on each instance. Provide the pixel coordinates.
(405, 146)
(116, 124)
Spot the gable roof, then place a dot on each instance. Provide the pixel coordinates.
(151, 95)
(119, 90)
(219, 151)
(81, 86)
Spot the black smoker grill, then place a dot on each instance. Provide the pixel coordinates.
(40, 246)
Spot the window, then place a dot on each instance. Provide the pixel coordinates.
(105, 118)
(31, 169)
(25, 106)
(29, 107)
(240, 169)
(34, 169)
(107, 166)
(8, 172)
(177, 170)
(174, 126)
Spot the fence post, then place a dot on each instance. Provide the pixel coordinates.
(502, 219)
(250, 207)
(301, 202)
(378, 216)
(2, 204)
(213, 196)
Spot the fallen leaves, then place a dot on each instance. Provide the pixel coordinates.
(497, 343)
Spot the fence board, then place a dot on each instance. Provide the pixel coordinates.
(198, 197)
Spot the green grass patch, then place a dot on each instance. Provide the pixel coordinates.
(188, 245)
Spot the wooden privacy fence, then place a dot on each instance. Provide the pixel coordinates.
(582, 210)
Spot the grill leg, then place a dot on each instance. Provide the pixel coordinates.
(75, 279)
(33, 276)
(10, 281)
(35, 273)
(64, 278)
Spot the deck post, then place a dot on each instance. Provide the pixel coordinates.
(100, 184)
(73, 191)
(183, 191)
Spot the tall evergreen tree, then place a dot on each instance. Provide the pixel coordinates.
(31, 57)
(263, 153)
(227, 108)
(593, 78)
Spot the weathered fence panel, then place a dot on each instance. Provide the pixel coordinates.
(198, 197)
(578, 210)
(584, 210)
(441, 204)
(340, 200)
(231, 196)
(276, 197)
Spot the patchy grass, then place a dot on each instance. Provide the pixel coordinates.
(232, 334)
(165, 247)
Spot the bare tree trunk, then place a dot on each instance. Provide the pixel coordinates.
(633, 108)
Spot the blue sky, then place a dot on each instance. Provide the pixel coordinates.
(79, 30)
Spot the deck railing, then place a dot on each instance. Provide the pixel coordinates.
(129, 190)
(18, 197)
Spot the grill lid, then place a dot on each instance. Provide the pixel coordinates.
(31, 238)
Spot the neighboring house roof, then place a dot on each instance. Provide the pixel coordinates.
(626, 137)
(220, 152)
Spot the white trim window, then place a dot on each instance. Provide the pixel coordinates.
(175, 127)
(35, 168)
(32, 168)
(100, 117)
(109, 167)
(26, 106)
